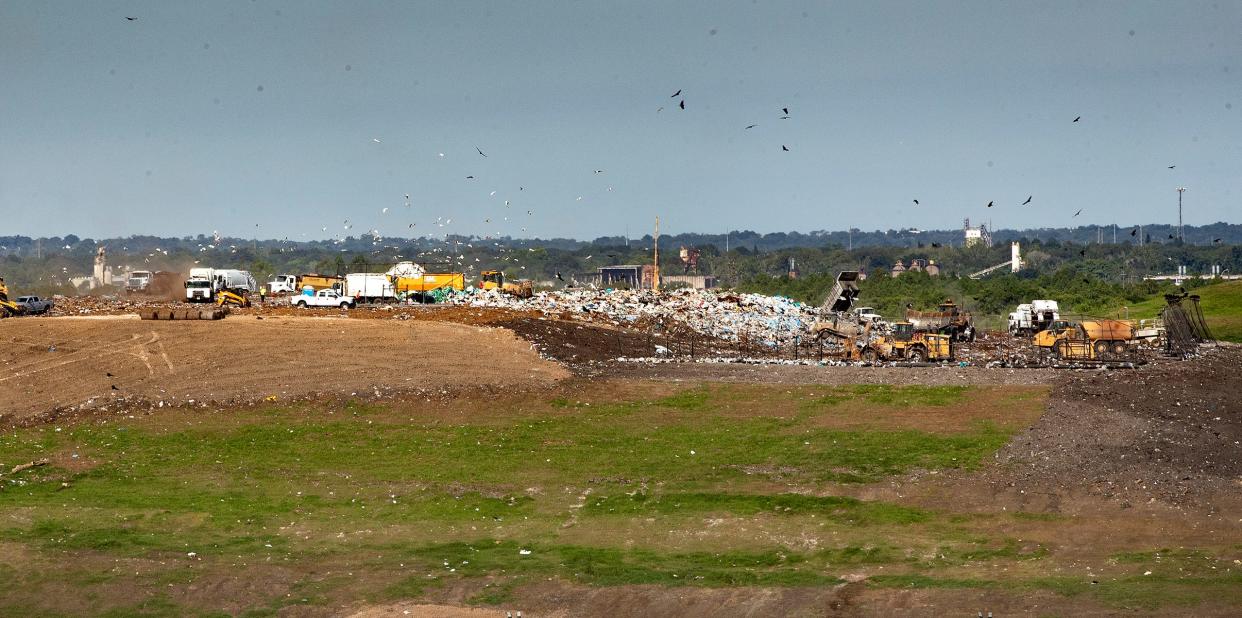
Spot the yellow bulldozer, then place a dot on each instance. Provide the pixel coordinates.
(495, 280)
(7, 307)
(905, 343)
(1087, 340)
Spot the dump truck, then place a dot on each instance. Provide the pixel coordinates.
(906, 343)
(948, 319)
(427, 283)
(137, 282)
(495, 280)
(318, 282)
(1087, 340)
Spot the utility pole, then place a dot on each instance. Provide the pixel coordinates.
(1180, 234)
(1114, 233)
(655, 279)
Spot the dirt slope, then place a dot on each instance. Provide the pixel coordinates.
(65, 362)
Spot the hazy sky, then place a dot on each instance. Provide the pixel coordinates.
(202, 116)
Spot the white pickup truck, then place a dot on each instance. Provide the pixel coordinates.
(323, 298)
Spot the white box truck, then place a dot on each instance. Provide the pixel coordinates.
(1033, 317)
(370, 287)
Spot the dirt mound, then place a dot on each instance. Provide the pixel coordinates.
(73, 364)
(1169, 432)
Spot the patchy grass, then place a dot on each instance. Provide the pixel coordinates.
(835, 508)
(354, 501)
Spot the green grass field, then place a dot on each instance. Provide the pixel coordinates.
(246, 512)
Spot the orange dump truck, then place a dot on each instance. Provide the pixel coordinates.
(1088, 340)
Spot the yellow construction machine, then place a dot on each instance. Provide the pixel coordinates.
(905, 343)
(7, 307)
(1087, 340)
(229, 297)
(495, 280)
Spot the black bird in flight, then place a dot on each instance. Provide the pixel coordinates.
(1170, 236)
(1134, 232)
(916, 202)
(480, 150)
(989, 204)
(936, 245)
(1172, 166)
(115, 388)
(675, 94)
(1217, 241)
(785, 148)
(1083, 253)
(1078, 213)
(1078, 118)
(469, 177)
(109, 374)
(786, 110)
(558, 276)
(1028, 200)
(682, 104)
(131, 19)
(751, 126)
(784, 117)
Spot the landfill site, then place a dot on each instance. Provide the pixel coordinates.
(1102, 453)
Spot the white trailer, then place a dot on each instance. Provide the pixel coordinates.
(240, 281)
(370, 287)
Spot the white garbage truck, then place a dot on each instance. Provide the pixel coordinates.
(1033, 317)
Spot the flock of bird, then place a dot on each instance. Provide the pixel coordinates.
(442, 222)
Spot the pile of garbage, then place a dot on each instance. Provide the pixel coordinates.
(738, 318)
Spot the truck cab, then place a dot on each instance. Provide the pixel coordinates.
(34, 304)
(282, 284)
(199, 290)
(138, 281)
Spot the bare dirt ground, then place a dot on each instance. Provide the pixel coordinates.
(59, 365)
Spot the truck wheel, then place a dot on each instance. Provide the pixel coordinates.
(344, 305)
(302, 303)
(1101, 349)
(1119, 348)
(917, 354)
(869, 355)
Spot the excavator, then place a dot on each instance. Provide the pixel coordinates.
(7, 307)
(495, 280)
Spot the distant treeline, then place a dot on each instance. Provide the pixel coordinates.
(44, 266)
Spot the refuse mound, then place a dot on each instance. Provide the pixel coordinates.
(1167, 432)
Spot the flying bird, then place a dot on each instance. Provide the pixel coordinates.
(1083, 253)
(1078, 213)
(1172, 166)
(480, 150)
(751, 126)
(1076, 119)
(936, 245)
(115, 388)
(469, 177)
(784, 117)
(1028, 200)
(785, 148)
(599, 171)
(131, 19)
(785, 110)
(1134, 232)
(989, 204)
(375, 139)
(1216, 241)
(682, 104)
(916, 202)
(675, 94)
(558, 276)
(109, 374)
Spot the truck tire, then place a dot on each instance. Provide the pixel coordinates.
(917, 354)
(869, 355)
(302, 304)
(1101, 348)
(1119, 348)
(345, 306)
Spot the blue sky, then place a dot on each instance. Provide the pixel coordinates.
(262, 117)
